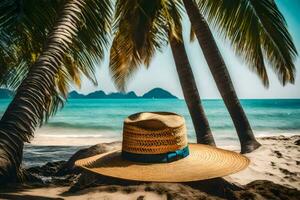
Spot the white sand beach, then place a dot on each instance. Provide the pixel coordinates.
(277, 160)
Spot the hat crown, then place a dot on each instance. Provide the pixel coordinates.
(154, 133)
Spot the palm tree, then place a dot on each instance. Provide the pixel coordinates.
(257, 30)
(143, 27)
(34, 97)
(190, 91)
(17, 58)
(248, 35)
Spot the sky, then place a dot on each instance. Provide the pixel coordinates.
(162, 72)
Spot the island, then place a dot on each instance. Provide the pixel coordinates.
(156, 93)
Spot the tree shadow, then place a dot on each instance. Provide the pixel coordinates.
(14, 192)
(26, 197)
(216, 187)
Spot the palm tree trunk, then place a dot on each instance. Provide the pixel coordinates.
(190, 92)
(29, 106)
(221, 76)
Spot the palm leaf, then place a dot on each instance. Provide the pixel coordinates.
(258, 32)
(28, 29)
(34, 96)
(141, 28)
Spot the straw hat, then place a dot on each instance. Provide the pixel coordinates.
(155, 149)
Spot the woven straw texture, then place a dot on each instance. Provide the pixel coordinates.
(154, 133)
(204, 162)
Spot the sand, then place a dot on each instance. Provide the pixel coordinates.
(277, 160)
(46, 136)
(91, 194)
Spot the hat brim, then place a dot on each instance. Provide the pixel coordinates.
(204, 162)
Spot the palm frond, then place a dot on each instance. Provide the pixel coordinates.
(27, 30)
(72, 73)
(10, 11)
(141, 28)
(35, 96)
(258, 32)
(172, 14)
(276, 41)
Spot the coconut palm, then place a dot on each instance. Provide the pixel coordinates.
(142, 27)
(190, 92)
(257, 31)
(251, 35)
(54, 57)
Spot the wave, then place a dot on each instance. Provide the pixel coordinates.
(73, 135)
(81, 126)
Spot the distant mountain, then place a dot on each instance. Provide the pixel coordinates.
(116, 95)
(96, 95)
(5, 93)
(158, 93)
(75, 95)
(101, 95)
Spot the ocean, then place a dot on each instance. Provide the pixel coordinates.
(84, 122)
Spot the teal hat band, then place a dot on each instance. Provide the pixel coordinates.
(156, 158)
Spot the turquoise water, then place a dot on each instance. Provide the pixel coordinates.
(107, 115)
(103, 118)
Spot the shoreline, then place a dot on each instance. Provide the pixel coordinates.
(93, 137)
